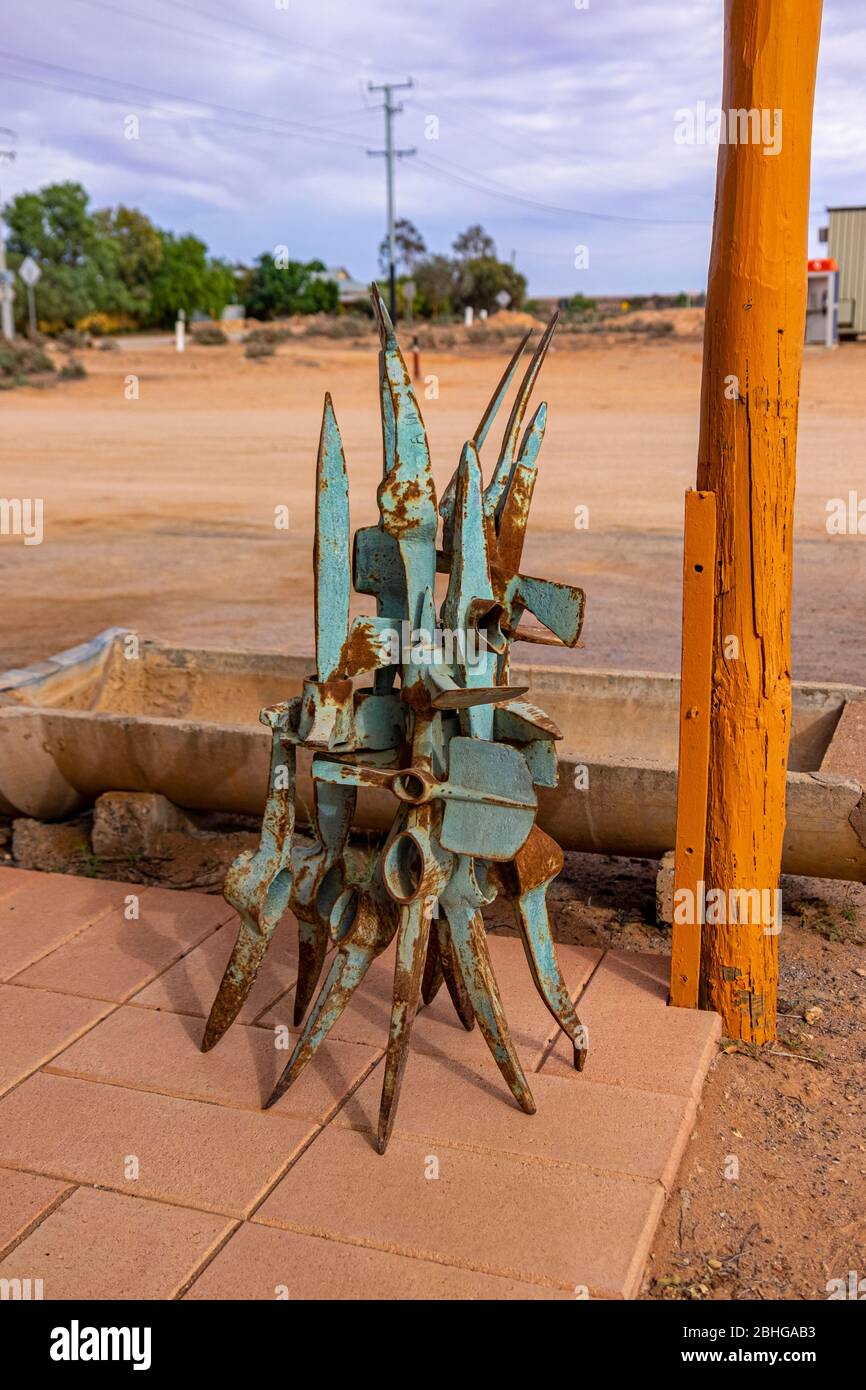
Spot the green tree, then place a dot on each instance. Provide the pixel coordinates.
(436, 285)
(409, 246)
(139, 247)
(579, 304)
(80, 265)
(188, 279)
(482, 279)
(297, 287)
(474, 244)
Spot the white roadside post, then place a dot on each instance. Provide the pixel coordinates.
(31, 274)
(180, 331)
(7, 290)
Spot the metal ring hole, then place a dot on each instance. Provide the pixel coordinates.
(403, 868)
(410, 787)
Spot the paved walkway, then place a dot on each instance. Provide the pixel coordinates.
(132, 1166)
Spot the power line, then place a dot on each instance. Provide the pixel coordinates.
(468, 179)
(299, 127)
(234, 22)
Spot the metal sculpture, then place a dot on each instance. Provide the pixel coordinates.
(458, 747)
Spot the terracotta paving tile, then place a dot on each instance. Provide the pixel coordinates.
(194, 1154)
(49, 909)
(490, 1212)
(156, 1051)
(13, 879)
(117, 956)
(261, 1262)
(24, 1197)
(104, 1245)
(190, 986)
(35, 1024)
(437, 1029)
(586, 1123)
(635, 1040)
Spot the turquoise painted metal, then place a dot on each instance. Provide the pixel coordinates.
(439, 727)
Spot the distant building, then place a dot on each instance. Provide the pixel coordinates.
(846, 243)
(350, 291)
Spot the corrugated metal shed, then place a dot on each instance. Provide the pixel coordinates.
(847, 245)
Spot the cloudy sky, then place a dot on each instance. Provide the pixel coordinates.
(254, 119)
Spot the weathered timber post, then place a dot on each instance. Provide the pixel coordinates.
(755, 319)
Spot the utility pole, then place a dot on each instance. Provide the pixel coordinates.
(7, 294)
(389, 88)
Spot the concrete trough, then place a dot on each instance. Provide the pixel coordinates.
(123, 714)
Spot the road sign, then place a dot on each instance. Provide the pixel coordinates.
(503, 299)
(29, 271)
(7, 277)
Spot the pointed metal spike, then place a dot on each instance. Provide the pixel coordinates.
(470, 569)
(453, 978)
(433, 975)
(446, 506)
(331, 557)
(531, 911)
(412, 938)
(511, 438)
(237, 981)
(383, 318)
(512, 515)
(466, 928)
(369, 937)
(499, 394)
(313, 942)
(527, 880)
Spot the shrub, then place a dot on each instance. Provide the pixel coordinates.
(268, 335)
(70, 340)
(18, 360)
(259, 348)
(73, 370)
(109, 345)
(209, 336)
(338, 328)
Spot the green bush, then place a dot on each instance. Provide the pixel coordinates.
(73, 370)
(208, 336)
(268, 335)
(70, 340)
(18, 360)
(259, 348)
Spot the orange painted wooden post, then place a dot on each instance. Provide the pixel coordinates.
(699, 570)
(753, 347)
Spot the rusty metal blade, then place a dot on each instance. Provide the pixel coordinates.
(433, 976)
(351, 963)
(313, 942)
(466, 929)
(446, 506)
(511, 439)
(240, 973)
(453, 978)
(412, 938)
(331, 549)
(531, 911)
